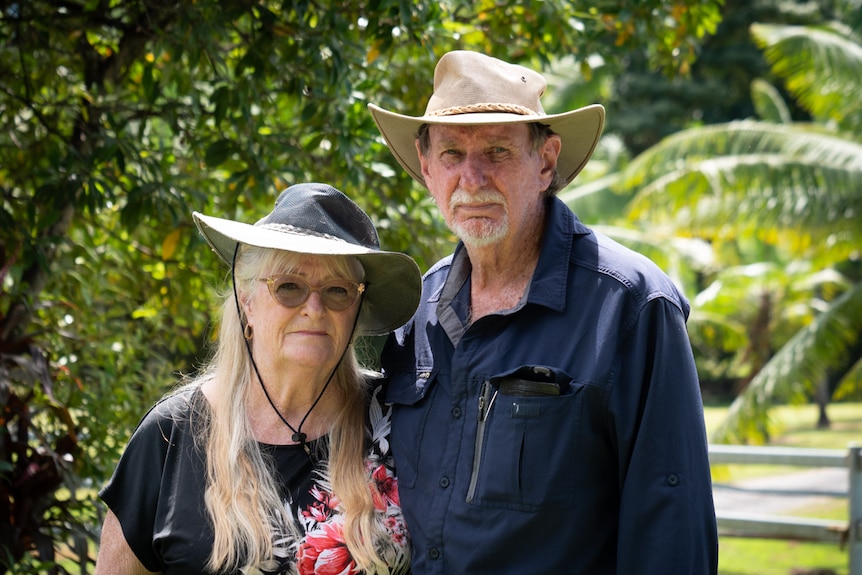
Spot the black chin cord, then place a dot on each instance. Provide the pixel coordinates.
(297, 436)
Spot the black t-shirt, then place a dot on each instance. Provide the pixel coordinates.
(157, 493)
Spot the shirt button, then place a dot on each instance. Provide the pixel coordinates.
(444, 482)
(456, 412)
(434, 553)
(673, 479)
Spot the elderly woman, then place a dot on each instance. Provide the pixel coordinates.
(275, 458)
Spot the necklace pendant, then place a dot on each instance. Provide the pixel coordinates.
(298, 437)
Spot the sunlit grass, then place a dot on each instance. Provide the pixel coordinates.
(740, 556)
(744, 556)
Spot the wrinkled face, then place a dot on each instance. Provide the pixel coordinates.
(310, 334)
(487, 180)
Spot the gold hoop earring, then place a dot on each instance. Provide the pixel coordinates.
(247, 332)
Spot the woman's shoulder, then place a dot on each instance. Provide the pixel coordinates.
(176, 408)
(180, 401)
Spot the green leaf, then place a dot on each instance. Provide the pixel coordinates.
(218, 152)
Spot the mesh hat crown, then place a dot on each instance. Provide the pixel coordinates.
(474, 89)
(317, 219)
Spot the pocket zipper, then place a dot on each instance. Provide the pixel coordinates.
(486, 402)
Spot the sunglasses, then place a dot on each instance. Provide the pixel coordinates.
(293, 291)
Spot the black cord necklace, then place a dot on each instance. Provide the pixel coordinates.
(297, 436)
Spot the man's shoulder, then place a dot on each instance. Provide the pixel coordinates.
(593, 249)
(638, 273)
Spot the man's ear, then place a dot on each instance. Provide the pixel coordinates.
(422, 163)
(550, 153)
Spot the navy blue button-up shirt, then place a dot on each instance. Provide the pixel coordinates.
(565, 435)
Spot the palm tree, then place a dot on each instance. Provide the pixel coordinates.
(795, 187)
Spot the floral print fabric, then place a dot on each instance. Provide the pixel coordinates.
(323, 551)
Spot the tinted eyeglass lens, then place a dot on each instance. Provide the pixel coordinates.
(293, 291)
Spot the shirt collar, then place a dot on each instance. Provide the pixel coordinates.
(551, 279)
(547, 287)
(453, 307)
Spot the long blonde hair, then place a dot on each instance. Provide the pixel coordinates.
(242, 497)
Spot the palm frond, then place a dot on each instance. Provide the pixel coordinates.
(754, 178)
(733, 286)
(758, 190)
(716, 330)
(768, 102)
(796, 369)
(596, 200)
(851, 384)
(821, 66)
(603, 185)
(743, 138)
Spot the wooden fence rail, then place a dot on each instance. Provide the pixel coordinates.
(847, 533)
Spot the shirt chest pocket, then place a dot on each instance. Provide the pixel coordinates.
(527, 453)
(409, 416)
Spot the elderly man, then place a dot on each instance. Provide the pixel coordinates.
(547, 412)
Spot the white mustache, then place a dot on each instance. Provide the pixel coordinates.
(463, 198)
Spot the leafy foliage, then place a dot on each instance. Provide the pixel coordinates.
(796, 182)
(768, 102)
(122, 117)
(644, 107)
(814, 350)
(820, 66)
(781, 200)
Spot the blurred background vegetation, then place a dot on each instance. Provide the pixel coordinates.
(732, 157)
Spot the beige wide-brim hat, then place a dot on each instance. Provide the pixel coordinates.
(317, 219)
(475, 89)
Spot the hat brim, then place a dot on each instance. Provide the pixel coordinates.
(394, 280)
(579, 131)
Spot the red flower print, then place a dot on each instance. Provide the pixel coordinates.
(318, 512)
(325, 553)
(385, 488)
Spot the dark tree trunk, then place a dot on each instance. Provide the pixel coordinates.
(821, 397)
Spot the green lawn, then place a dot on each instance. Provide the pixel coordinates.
(793, 427)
